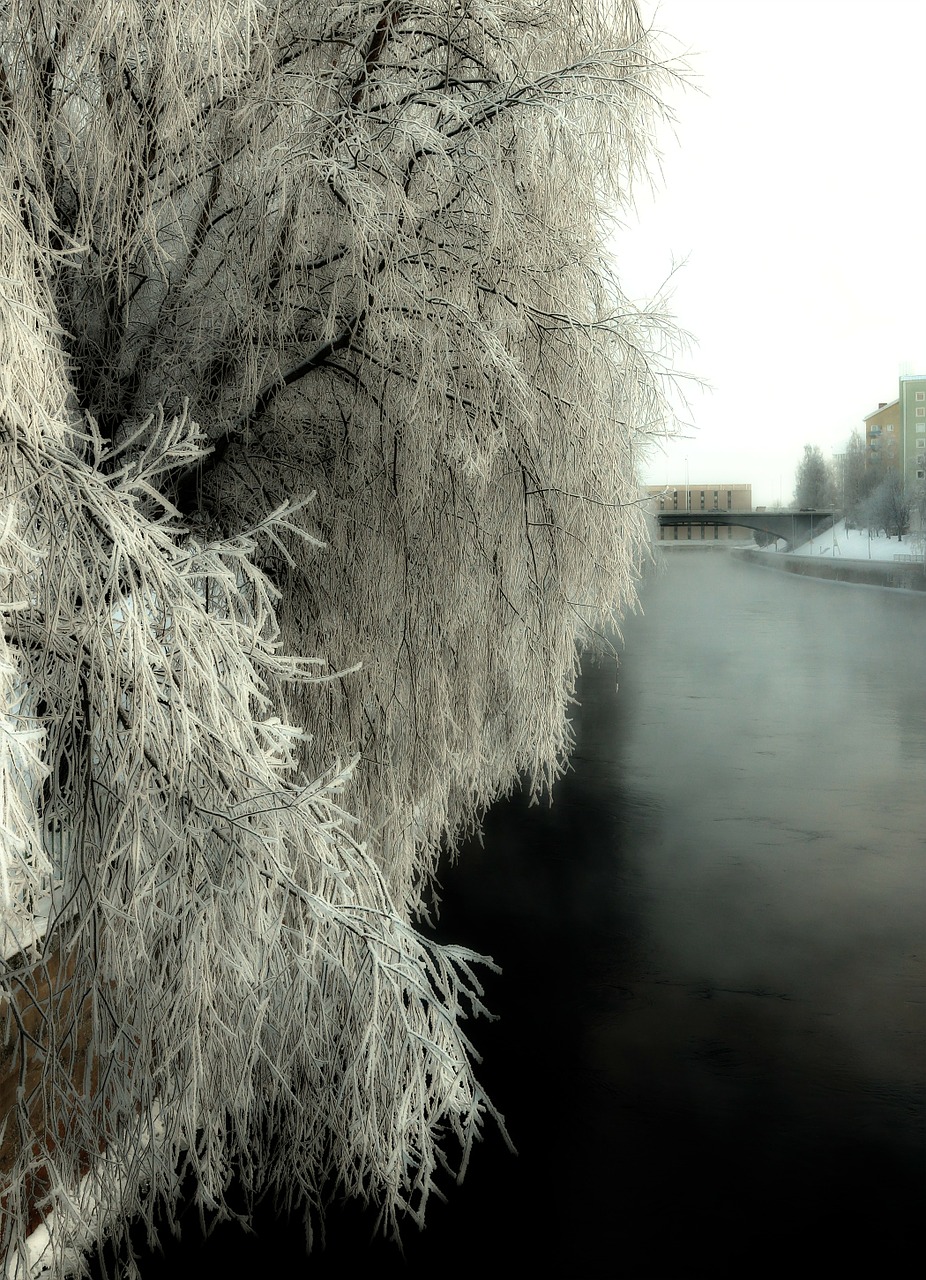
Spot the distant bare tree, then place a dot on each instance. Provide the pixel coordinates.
(319, 415)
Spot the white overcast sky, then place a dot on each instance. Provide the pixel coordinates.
(793, 193)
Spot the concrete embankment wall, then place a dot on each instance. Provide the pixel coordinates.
(872, 573)
(695, 546)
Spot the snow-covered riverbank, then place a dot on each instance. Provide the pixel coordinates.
(850, 557)
(855, 544)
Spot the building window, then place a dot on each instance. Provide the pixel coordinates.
(921, 426)
(921, 395)
(889, 426)
(921, 413)
(729, 499)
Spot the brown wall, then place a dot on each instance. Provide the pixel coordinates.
(42, 1015)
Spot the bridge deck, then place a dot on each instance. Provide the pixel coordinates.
(794, 526)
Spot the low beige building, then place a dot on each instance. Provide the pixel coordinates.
(696, 497)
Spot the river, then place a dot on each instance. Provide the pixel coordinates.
(710, 1050)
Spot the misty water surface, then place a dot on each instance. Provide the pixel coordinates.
(778, 727)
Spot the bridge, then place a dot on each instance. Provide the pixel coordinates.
(796, 527)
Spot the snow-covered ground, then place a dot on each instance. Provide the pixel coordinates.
(855, 544)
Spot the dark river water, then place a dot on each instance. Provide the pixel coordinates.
(710, 1050)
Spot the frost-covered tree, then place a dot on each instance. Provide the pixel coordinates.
(917, 498)
(812, 483)
(889, 506)
(857, 478)
(319, 414)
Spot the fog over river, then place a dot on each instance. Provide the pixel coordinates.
(710, 1051)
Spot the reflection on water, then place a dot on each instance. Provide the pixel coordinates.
(711, 1046)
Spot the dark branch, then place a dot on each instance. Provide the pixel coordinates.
(187, 486)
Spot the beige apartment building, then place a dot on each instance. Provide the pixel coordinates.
(895, 432)
(696, 497)
(912, 397)
(882, 435)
